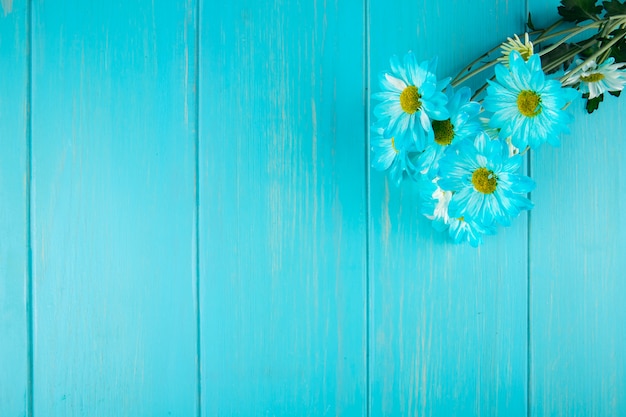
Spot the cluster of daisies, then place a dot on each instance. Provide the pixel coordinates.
(466, 156)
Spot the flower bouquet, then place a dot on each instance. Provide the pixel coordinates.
(464, 150)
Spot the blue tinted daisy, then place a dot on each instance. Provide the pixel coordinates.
(425, 188)
(598, 79)
(526, 106)
(393, 155)
(485, 181)
(494, 133)
(411, 98)
(459, 229)
(461, 124)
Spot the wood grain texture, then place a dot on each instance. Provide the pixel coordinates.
(448, 323)
(577, 267)
(14, 213)
(577, 270)
(281, 208)
(283, 213)
(7, 6)
(114, 208)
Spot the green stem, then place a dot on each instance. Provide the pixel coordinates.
(524, 151)
(559, 43)
(608, 25)
(605, 32)
(460, 78)
(476, 61)
(473, 73)
(578, 30)
(602, 50)
(482, 88)
(592, 17)
(555, 64)
(571, 32)
(549, 29)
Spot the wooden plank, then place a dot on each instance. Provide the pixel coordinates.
(14, 274)
(577, 268)
(448, 323)
(283, 213)
(578, 329)
(114, 208)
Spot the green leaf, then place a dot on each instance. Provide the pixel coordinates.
(530, 24)
(615, 93)
(579, 10)
(556, 55)
(618, 51)
(594, 103)
(614, 7)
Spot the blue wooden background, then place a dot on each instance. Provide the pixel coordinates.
(189, 227)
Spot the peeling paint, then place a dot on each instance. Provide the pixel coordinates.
(7, 6)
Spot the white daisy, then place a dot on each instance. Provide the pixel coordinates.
(598, 79)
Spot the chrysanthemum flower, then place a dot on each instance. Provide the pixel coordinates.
(411, 97)
(598, 79)
(393, 155)
(462, 124)
(485, 182)
(526, 106)
(459, 229)
(525, 49)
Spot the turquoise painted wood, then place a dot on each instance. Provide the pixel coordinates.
(448, 323)
(14, 276)
(577, 269)
(114, 208)
(577, 275)
(207, 238)
(283, 208)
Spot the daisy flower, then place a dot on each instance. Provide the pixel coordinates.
(411, 97)
(459, 229)
(461, 124)
(393, 155)
(492, 132)
(526, 106)
(598, 79)
(484, 180)
(425, 188)
(525, 49)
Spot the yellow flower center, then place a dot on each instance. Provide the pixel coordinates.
(529, 103)
(393, 145)
(444, 132)
(592, 78)
(461, 219)
(410, 99)
(526, 52)
(484, 180)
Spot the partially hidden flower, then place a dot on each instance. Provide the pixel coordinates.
(461, 124)
(598, 79)
(494, 133)
(393, 154)
(525, 49)
(459, 229)
(411, 98)
(485, 182)
(526, 106)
